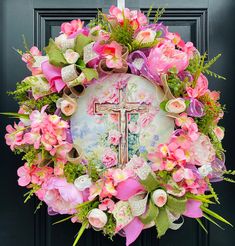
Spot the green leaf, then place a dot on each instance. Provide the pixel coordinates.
(211, 62)
(202, 226)
(150, 183)
(80, 42)
(150, 215)
(63, 220)
(162, 222)
(16, 115)
(55, 55)
(90, 73)
(82, 229)
(176, 205)
(215, 215)
(212, 221)
(163, 105)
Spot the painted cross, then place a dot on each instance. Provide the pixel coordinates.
(123, 108)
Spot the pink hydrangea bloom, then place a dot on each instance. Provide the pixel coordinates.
(165, 56)
(107, 204)
(14, 136)
(24, 174)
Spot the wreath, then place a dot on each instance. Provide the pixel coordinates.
(117, 126)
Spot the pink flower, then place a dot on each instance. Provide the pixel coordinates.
(200, 89)
(113, 54)
(24, 174)
(183, 120)
(34, 138)
(219, 132)
(109, 158)
(61, 196)
(114, 137)
(165, 56)
(37, 117)
(119, 175)
(96, 189)
(107, 204)
(176, 106)
(159, 197)
(14, 136)
(97, 218)
(72, 27)
(68, 107)
(146, 36)
(118, 14)
(202, 151)
(60, 151)
(41, 174)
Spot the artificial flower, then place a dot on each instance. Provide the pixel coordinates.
(176, 106)
(159, 197)
(109, 158)
(83, 182)
(97, 218)
(146, 36)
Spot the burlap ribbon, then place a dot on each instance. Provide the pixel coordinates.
(75, 155)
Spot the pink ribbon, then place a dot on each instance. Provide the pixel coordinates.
(193, 209)
(128, 188)
(53, 75)
(133, 230)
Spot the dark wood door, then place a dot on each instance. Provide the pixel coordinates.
(208, 23)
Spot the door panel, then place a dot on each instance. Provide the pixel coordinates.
(206, 23)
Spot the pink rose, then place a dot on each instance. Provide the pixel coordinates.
(202, 151)
(146, 36)
(165, 56)
(109, 158)
(159, 197)
(176, 105)
(114, 137)
(97, 218)
(72, 27)
(68, 107)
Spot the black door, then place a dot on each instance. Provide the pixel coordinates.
(208, 23)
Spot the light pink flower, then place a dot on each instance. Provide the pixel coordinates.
(146, 36)
(219, 132)
(109, 158)
(202, 151)
(107, 204)
(165, 56)
(39, 175)
(159, 197)
(176, 106)
(68, 107)
(96, 189)
(183, 120)
(34, 138)
(109, 95)
(97, 218)
(61, 196)
(72, 27)
(119, 175)
(114, 137)
(60, 151)
(24, 174)
(200, 89)
(14, 136)
(37, 117)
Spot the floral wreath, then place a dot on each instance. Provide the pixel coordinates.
(156, 188)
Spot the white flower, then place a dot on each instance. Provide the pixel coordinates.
(97, 218)
(176, 105)
(83, 182)
(159, 197)
(202, 151)
(146, 36)
(205, 170)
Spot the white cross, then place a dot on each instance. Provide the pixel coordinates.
(121, 4)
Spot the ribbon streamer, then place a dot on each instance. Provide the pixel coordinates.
(138, 203)
(75, 155)
(69, 73)
(67, 43)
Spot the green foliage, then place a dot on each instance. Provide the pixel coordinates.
(80, 42)
(162, 222)
(90, 73)
(211, 62)
(158, 14)
(150, 183)
(30, 155)
(176, 86)
(30, 193)
(150, 214)
(84, 208)
(213, 74)
(109, 228)
(73, 171)
(21, 92)
(55, 55)
(122, 34)
(100, 20)
(212, 191)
